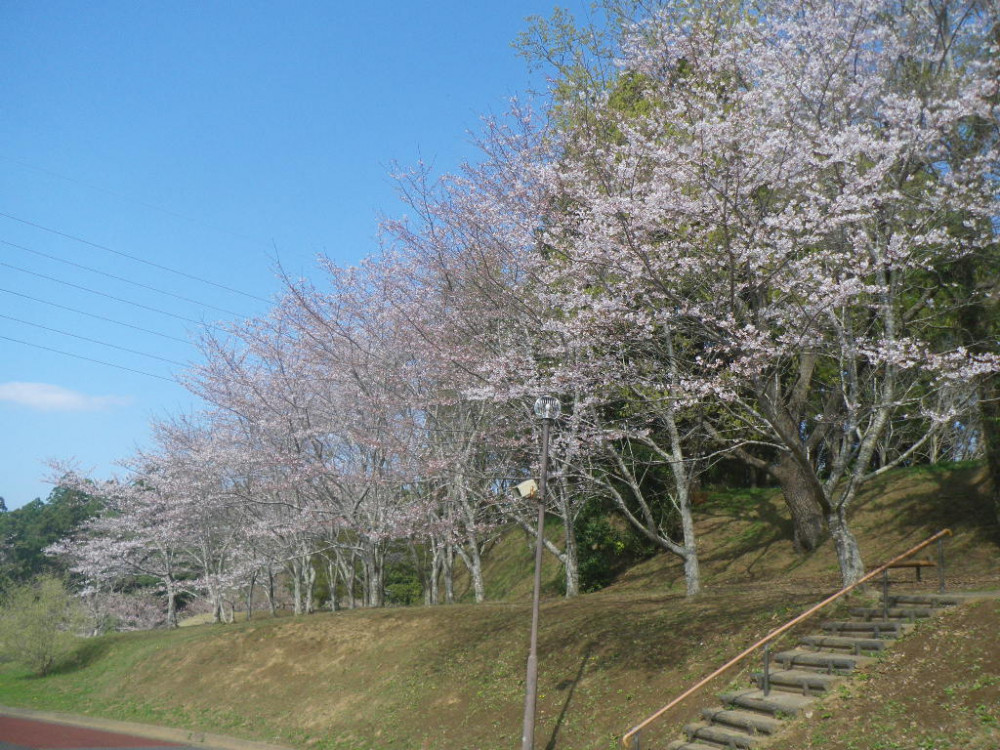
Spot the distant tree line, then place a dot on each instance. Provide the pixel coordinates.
(25, 532)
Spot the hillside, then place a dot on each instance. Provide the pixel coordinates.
(452, 677)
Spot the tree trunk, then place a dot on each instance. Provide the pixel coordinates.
(352, 602)
(852, 569)
(449, 574)
(989, 416)
(474, 564)
(171, 605)
(644, 521)
(469, 552)
(478, 585)
(296, 587)
(571, 563)
(333, 579)
(979, 321)
(570, 557)
(433, 574)
(249, 597)
(803, 499)
(692, 570)
(347, 575)
(374, 578)
(308, 582)
(269, 591)
(377, 588)
(366, 580)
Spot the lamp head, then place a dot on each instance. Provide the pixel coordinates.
(547, 407)
(527, 488)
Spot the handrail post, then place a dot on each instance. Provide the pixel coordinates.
(627, 740)
(767, 670)
(940, 545)
(885, 594)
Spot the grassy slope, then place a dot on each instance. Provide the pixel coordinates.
(452, 677)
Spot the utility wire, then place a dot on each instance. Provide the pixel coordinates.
(135, 258)
(120, 278)
(94, 341)
(87, 359)
(96, 316)
(111, 296)
(131, 199)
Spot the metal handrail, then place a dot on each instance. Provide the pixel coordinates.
(629, 736)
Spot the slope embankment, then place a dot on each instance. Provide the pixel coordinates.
(452, 677)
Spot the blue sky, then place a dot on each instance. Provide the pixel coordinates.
(207, 138)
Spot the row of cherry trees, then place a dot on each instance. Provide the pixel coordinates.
(740, 248)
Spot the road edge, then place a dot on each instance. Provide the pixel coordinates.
(190, 737)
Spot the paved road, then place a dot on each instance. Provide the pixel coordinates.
(31, 734)
(26, 729)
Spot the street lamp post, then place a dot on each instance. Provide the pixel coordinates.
(546, 409)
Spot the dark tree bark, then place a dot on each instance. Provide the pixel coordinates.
(979, 321)
(804, 499)
(989, 414)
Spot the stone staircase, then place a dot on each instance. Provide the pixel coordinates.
(795, 678)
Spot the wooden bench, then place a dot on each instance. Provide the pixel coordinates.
(917, 565)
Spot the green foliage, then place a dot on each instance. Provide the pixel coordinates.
(38, 624)
(27, 531)
(606, 546)
(629, 95)
(402, 585)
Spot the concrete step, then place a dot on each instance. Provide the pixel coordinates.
(872, 628)
(800, 681)
(850, 644)
(776, 704)
(819, 661)
(929, 600)
(714, 734)
(686, 745)
(893, 613)
(799, 676)
(750, 722)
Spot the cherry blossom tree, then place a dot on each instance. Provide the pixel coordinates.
(474, 304)
(139, 534)
(762, 218)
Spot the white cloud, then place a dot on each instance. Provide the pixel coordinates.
(46, 397)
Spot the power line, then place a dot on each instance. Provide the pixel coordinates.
(120, 278)
(93, 341)
(134, 257)
(96, 316)
(111, 296)
(131, 199)
(87, 359)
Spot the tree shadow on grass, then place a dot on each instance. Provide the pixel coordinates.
(571, 684)
(936, 497)
(749, 526)
(86, 654)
